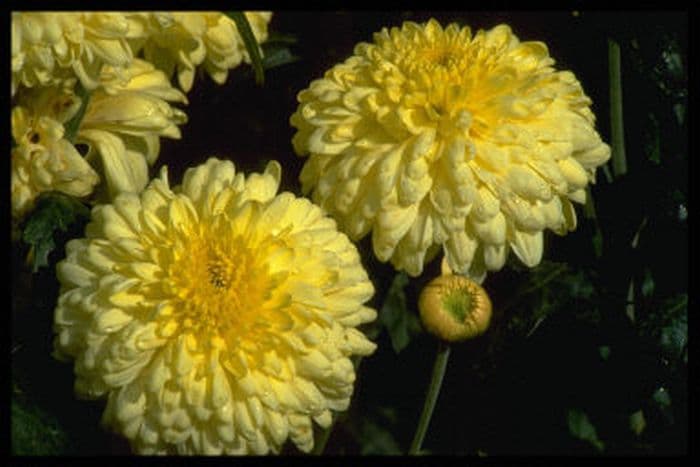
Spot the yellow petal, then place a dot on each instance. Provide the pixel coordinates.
(527, 247)
(125, 171)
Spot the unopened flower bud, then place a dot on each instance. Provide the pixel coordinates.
(454, 308)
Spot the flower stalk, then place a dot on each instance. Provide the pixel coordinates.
(441, 358)
(617, 133)
(323, 437)
(453, 308)
(73, 125)
(251, 44)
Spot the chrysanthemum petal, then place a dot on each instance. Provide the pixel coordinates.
(527, 246)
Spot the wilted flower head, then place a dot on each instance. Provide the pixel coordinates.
(42, 159)
(124, 121)
(217, 316)
(49, 47)
(433, 137)
(183, 41)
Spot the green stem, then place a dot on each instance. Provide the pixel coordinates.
(73, 125)
(251, 44)
(590, 213)
(617, 134)
(322, 440)
(629, 309)
(439, 366)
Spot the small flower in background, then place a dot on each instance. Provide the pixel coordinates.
(124, 120)
(193, 311)
(42, 160)
(182, 41)
(433, 137)
(50, 47)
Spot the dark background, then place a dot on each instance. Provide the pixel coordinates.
(513, 391)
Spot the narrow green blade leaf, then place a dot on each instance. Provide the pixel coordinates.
(617, 133)
(648, 283)
(276, 37)
(250, 44)
(73, 125)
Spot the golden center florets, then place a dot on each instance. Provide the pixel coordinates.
(217, 283)
(438, 56)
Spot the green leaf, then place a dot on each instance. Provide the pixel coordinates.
(653, 145)
(679, 111)
(581, 427)
(662, 397)
(54, 212)
(376, 440)
(674, 336)
(637, 422)
(251, 44)
(276, 51)
(401, 323)
(34, 432)
(536, 281)
(276, 37)
(667, 325)
(597, 240)
(275, 57)
(663, 403)
(647, 283)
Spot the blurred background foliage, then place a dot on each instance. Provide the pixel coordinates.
(587, 354)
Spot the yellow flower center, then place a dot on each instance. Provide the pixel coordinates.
(463, 86)
(218, 281)
(441, 55)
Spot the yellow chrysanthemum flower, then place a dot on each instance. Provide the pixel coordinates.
(186, 40)
(433, 137)
(217, 316)
(49, 47)
(42, 160)
(124, 121)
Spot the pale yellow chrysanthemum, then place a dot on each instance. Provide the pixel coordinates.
(124, 121)
(183, 41)
(42, 160)
(433, 137)
(216, 317)
(50, 47)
